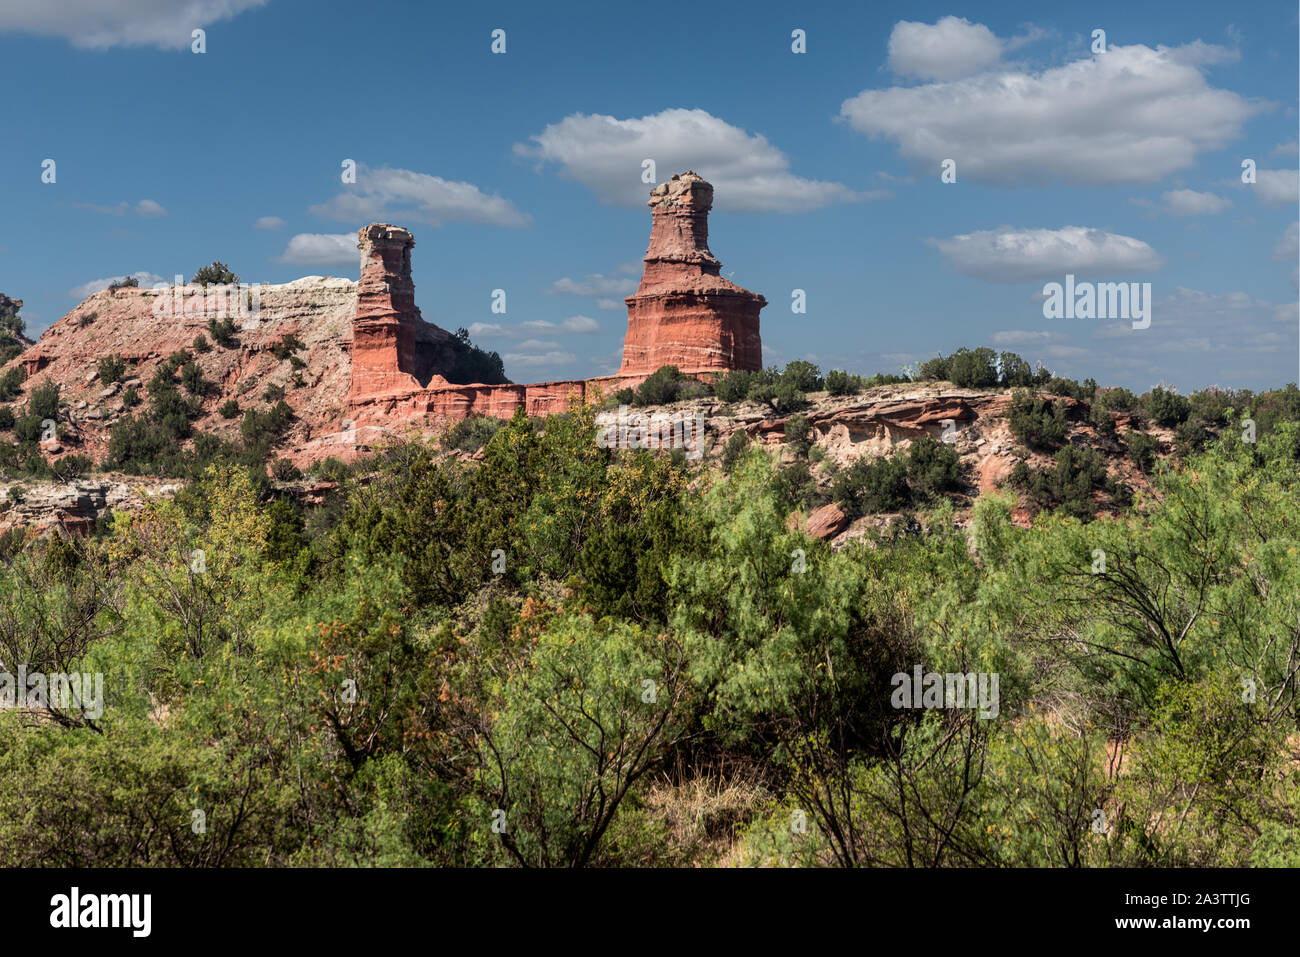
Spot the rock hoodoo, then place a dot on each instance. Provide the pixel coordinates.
(684, 313)
(393, 348)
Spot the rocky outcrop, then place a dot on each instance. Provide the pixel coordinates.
(826, 522)
(393, 348)
(683, 312)
(143, 327)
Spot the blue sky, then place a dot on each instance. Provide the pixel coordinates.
(522, 171)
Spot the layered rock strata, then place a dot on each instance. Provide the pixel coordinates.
(684, 313)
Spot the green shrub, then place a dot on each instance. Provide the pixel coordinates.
(222, 332)
(6, 417)
(70, 467)
(1037, 423)
(130, 397)
(217, 274)
(1069, 483)
(11, 382)
(736, 446)
(933, 467)
(229, 409)
(733, 386)
(872, 485)
(112, 369)
(804, 376)
(471, 434)
(282, 470)
(798, 435)
(201, 344)
(1166, 408)
(839, 382)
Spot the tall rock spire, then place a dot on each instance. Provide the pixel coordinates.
(683, 312)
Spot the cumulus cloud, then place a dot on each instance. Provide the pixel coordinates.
(404, 195)
(100, 24)
(147, 280)
(269, 222)
(574, 325)
(594, 284)
(1277, 187)
(747, 172)
(536, 352)
(322, 249)
(1132, 115)
(951, 48)
(1017, 255)
(1188, 202)
(146, 208)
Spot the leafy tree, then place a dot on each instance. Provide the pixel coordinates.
(217, 274)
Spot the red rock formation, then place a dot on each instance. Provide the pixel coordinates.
(391, 342)
(826, 522)
(684, 313)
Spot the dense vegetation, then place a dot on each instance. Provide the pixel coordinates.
(560, 654)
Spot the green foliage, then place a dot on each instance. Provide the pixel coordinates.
(666, 385)
(1142, 450)
(734, 449)
(222, 332)
(217, 274)
(11, 382)
(471, 434)
(839, 382)
(112, 369)
(804, 376)
(1038, 423)
(933, 467)
(733, 386)
(872, 485)
(1069, 483)
(473, 364)
(662, 668)
(1166, 408)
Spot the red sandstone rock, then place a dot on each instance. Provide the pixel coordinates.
(826, 522)
(683, 312)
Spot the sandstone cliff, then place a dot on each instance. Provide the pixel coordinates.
(684, 313)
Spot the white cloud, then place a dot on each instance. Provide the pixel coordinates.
(1288, 246)
(406, 196)
(1188, 202)
(99, 24)
(747, 172)
(951, 48)
(147, 280)
(146, 208)
(1277, 187)
(594, 285)
(322, 249)
(574, 325)
(580, 325)
(269, 222)
(1016, 255)
(1289, 148)
(1132, 115)
(536, 352)
(610, 304)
